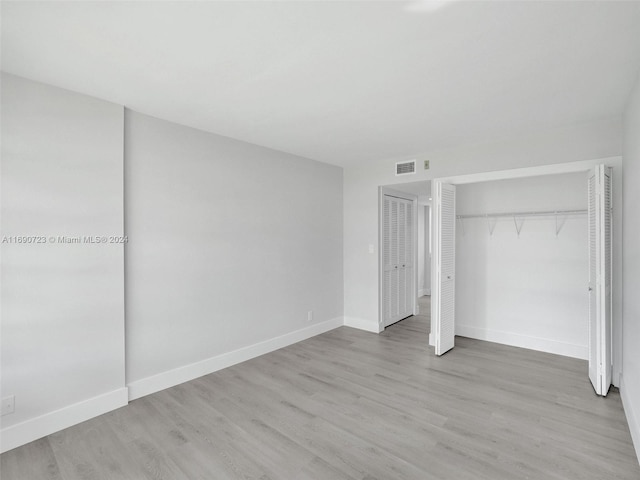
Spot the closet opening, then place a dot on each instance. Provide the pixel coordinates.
(515, 259)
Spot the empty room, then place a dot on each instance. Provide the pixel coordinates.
(320, 240)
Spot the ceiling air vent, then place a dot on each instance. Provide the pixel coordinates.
(406, 168)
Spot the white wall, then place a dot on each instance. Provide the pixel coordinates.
(630, 389)
(62, 304)
(527, 290)
(427, 250)
(579, 142)
(424, 260)
(421, 249)
(231, 244)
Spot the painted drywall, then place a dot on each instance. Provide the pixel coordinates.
(424, 259)
(427, 250)
(575, 143)
(526, 290)
(62, 303)
(230, 245)
(630, 389)
(421, 249)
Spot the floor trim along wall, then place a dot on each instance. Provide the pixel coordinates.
(633, 417)
(38, 427)
(163, 380)
(524, 341)
(362, 324)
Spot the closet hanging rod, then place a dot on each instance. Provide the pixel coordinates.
(524, 214)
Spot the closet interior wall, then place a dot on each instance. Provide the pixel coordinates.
(527, 289)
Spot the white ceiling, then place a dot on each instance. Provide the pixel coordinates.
(340, 82)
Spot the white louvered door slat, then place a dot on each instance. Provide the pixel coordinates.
(600, 269)
(445, 265)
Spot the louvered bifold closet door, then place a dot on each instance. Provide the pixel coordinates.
(390, 259)
(446, 266)
(402, 254)
(398, 258)
(600, 278)
(386, 257)
(390, 256)
(408, 264)
(594, 375)
(395, 274)
(607, 305)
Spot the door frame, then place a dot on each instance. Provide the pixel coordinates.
(382, 191)
(555, 169)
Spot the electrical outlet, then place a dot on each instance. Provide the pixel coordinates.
(310, 316)
(426, 164)
(8, 405)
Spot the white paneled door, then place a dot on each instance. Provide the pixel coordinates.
(444, 254)
(398, 230)
(600, 261)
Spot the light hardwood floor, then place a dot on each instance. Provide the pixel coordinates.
(354, 405)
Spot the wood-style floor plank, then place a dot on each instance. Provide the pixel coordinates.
(353, 405)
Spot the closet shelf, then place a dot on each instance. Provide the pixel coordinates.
(548, 213)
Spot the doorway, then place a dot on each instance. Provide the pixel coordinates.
(398, 255)
(419, 193)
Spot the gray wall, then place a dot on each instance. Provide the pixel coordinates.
(631, 269)
(231, 244)
(62, 304)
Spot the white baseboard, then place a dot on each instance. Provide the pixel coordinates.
(424, 291)
(38, 427)
(524, 341)
(362, 324)
(170, 378)
(432, 340)
(633, 417)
